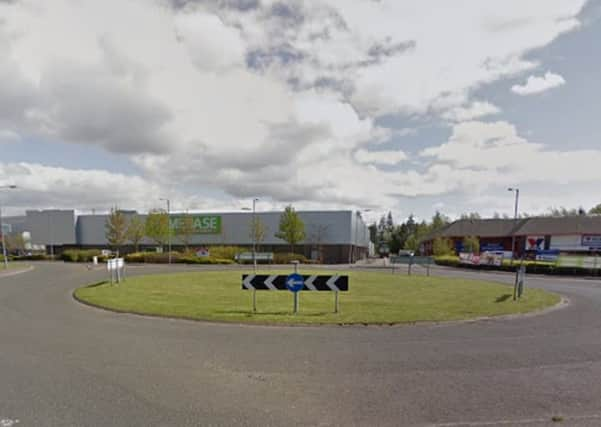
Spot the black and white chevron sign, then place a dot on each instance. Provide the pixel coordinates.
(264, 282)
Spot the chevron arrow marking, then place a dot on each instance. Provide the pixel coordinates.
(331, 283)
(248, 281)
(269, 283)
(309, 283)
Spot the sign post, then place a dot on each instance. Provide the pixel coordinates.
(116, 266)
(295, 283)
(520, 278)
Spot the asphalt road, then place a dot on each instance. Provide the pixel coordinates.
(66, 364)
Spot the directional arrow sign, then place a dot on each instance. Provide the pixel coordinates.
(295, 282)
(264, 282)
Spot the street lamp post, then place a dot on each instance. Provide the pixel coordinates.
(254, 231)
(168, 226)
(515, 220)
(4, 254)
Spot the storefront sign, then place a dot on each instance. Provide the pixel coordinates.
(592, 241)
(201, 224)
(468, 258)
(492, 258)
(535, 243)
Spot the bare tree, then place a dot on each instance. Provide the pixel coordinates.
(135, 231)
(258, 230)
(185, 229)
(116, 228)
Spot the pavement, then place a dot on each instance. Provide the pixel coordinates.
(66, 364)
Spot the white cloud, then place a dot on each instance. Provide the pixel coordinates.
(472, 111)
(497, 154)
(8, 136)
(380, 157)
(536, 84)
(274, 99)
(200, 31)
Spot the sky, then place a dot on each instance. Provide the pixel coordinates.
(371, 105)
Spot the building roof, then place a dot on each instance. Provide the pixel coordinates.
(480, 228)
(581, 224)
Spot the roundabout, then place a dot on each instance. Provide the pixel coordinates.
(64, 363)
(373, 298)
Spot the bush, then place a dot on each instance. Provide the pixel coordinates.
(532, 267)
(81, 255)
(442, 247)
(287, 258)
(33, 257)
(176, 257)
(225, 252)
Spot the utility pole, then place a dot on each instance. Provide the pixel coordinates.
(168, 226)
(515, 220)
(4, 254)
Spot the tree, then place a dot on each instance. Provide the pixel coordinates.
(157, 226)
(185, 229)
(135, 231)
(389, 222)
(439, 221)
(292, 227)
(596, 210)
(471, 244)
(442, 246)
(116, 228)
(257, 231)
(316, 237)
(15, 242)
(471, 215)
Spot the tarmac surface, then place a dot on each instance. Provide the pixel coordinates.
(66, 364)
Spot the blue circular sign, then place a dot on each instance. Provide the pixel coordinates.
(295, 282)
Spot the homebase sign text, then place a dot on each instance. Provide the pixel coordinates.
(201, 224)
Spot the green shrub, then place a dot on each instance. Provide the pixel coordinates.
(442, 247)
(225, 252)
(287, 258)
(33, 257)
(80, 255)
(176, 257)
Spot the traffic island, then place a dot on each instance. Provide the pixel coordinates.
(372, 298)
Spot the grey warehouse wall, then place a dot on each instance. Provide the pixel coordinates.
(56, 227)
(325, 227)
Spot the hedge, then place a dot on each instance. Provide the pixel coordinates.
(225, 252)
(34, 257)
(287, 258)
(176, 257)
(82, 255)
(532, 267)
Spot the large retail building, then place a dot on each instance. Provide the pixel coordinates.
(331, 236)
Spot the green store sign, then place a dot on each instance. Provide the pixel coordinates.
(202, 224)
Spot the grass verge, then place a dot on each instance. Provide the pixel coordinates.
(12, 266)
(377, 298)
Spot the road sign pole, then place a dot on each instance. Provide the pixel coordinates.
(295, 302)
(254, 300)
(336, 302)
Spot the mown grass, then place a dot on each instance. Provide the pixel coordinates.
(380, 298)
